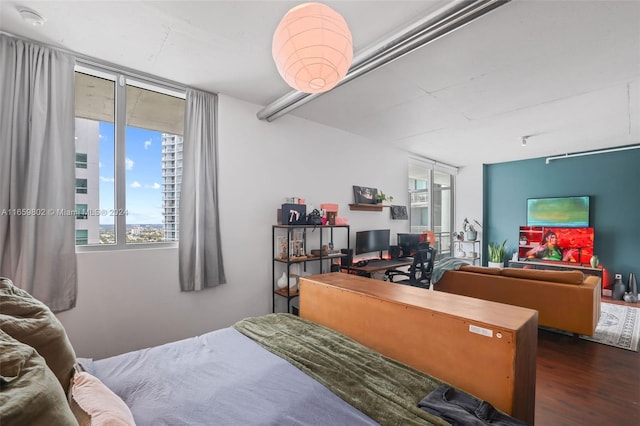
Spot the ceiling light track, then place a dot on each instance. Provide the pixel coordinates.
(600, 151)
(431, 27)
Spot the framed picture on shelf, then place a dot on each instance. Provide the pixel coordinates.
(364, 195)
(399, 213)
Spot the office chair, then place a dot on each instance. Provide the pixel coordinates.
(420, 271)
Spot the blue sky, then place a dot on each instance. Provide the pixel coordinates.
(143, 174)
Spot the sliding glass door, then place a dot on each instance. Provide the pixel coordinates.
(431, 201)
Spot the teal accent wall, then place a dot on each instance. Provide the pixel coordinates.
(612, 180)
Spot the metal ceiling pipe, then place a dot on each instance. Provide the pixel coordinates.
(599, 151)
(431, 27)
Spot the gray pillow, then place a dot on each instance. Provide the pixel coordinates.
(31, 322)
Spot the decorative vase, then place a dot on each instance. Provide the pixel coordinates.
(282, 281)
(594, 261)
(495, 264)
(633, 285)
(472, 235)
(618, 288)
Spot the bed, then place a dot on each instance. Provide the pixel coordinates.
(276, 369)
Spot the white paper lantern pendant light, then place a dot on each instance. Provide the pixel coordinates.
(312, 48)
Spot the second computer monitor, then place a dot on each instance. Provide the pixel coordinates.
(409, 243)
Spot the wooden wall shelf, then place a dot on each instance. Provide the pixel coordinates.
(366, 207)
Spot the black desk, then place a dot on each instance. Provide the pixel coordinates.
(380, 265)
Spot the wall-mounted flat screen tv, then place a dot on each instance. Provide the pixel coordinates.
(559, 211)
(556, 243)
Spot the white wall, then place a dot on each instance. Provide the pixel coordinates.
(130, 299)
(469, 197)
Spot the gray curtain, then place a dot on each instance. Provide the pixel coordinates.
(200, 254)
(37, 171)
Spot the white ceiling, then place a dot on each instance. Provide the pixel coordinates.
(565, 72)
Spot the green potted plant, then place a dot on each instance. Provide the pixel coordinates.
(496, 254)
(383, 197)
(469, 228)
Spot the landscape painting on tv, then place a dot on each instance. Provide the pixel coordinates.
(562, 211)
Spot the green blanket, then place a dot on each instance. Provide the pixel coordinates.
(384, 389)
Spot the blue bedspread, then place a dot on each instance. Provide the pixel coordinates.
(220, 378)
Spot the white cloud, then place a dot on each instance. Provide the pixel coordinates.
(107, 179)
(99, 164)
(128, 163)
(135, 184)
(155, 185)
(101, 136)
(147, 144)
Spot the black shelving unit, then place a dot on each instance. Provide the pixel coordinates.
(283, 258)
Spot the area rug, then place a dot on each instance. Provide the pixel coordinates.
(619, 326)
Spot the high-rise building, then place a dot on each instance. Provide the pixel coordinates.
(87, 181)
(171, 181)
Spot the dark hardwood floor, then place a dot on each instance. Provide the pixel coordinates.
(582, 383)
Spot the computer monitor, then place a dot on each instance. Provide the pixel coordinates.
(372, 241)
(408, 244)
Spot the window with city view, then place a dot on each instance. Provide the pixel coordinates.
(144, 164)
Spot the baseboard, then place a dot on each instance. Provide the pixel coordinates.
(556, 330)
